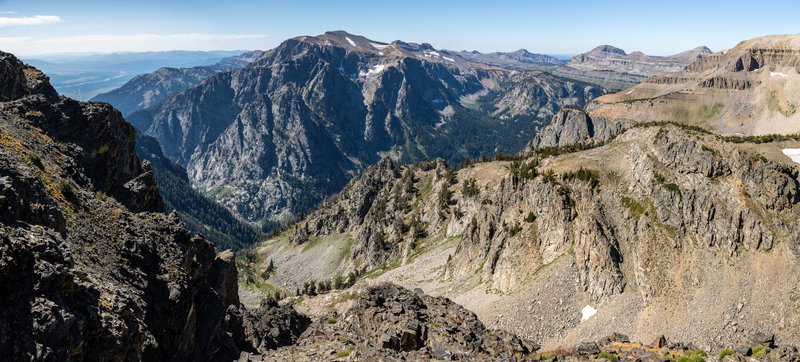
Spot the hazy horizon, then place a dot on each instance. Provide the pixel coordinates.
(31, 29)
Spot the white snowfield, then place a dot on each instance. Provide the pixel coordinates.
(374, 70)
(774, 74)
(380, 46)
(793, 153)
(350, 41)
(448, 59)
(587, 312)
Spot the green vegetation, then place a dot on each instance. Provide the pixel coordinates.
(636, 208)
(444, 196)
(469, 188)
(525, 170)
(609, 356)
(707, 111)
(673, 187)
(514, 229)
(725, 352)
(711, 150)
(65, 188)
(760, 351)
(545, 152)
(530, 218)
(36, 160)
(663, 182)
(346, 352)
(693, 356)
(331, 320)
(761, 139)
(586, 175)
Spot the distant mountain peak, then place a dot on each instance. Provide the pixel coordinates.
(608, 49)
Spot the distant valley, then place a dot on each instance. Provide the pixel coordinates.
(84, 76)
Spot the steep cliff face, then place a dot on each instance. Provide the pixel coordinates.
(90, 267)
(573, 126)
(749, 89)
(276, 137)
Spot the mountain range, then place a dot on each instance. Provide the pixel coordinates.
(615, 69)
(627, 218)
(274, 138)
(750, 89)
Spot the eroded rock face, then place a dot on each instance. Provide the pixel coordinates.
(654, 191)
(573, 126)
(90, 266)
(271, 325)
(388, 322)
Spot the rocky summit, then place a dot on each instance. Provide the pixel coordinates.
(274, 138)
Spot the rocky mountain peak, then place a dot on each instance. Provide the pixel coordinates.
(601, 49)
(18, 80)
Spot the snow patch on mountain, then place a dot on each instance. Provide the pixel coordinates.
(793, 153)
(374, 70)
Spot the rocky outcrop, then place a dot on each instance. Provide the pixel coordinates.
(388, 322)
(610, 208)
(271, 325)
(520, 59)
(18, 80)
(90, 266)
(572, 126)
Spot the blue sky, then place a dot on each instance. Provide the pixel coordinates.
(32, 27)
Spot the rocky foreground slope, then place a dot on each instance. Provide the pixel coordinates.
(655, 226)
(91, 268)
(749, 89)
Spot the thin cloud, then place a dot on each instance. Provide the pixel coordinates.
(104, 43)
(29, 20)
